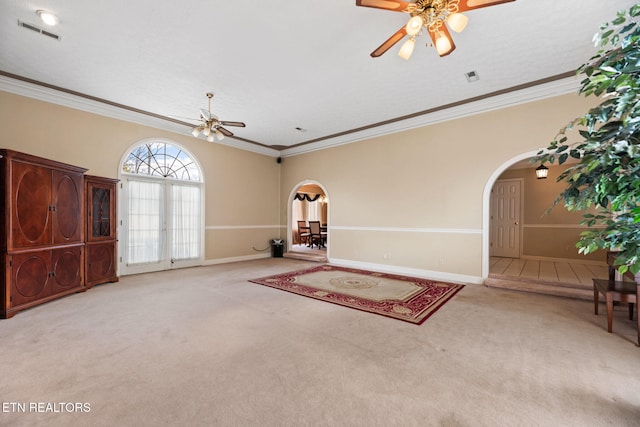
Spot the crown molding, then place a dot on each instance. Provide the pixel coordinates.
(70, 100)
(505, 99)
(511, 97)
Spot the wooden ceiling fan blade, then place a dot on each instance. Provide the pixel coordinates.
(394, 5)
(237, 124)
(442, 31)
(388, 44)
(465, 5)
(224, 131)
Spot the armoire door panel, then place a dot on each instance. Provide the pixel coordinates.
(101, 262)
(31, 200)
(67, 203)
(30, 274)
(66, 267)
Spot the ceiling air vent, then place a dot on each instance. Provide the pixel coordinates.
(472, 76)
(38, 30)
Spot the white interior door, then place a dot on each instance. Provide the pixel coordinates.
(505, 218)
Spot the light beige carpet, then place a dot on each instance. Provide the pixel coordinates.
(203, 347)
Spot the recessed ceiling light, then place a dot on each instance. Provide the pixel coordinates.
(47, 17)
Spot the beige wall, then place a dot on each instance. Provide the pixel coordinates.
(236, 181)
(548, 234)
(415, 199)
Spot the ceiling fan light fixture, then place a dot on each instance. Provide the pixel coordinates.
(457, 22)
(414, 25)
(437, 16)
(407, 49)
(210, 125)
(443, 45)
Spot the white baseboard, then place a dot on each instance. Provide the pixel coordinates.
(235, 259)
(426, 274)
(382, 268)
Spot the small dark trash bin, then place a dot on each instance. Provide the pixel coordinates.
(277, 248)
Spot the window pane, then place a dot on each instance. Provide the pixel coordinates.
(144, 237)
(186, 222)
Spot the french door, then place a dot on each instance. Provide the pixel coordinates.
(161, 224)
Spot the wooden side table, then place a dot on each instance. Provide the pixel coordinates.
(617, 291)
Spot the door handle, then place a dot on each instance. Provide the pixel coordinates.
(516, 223)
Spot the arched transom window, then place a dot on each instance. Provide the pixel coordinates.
(162, 160)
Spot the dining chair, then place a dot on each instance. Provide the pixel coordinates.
(317, 236)
(303, 232)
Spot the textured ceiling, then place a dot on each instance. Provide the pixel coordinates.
(280, 65)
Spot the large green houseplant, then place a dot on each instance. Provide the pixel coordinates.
(606, 176)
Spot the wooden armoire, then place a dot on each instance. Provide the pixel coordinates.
(42, 231)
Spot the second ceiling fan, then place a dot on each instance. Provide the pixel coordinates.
(211, 127)
(434, 15)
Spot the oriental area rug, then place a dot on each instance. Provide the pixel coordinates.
(401, 297)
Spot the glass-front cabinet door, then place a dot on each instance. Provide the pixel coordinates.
(101, 210)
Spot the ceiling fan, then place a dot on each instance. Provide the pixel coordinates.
(211, 127)
(429, 14)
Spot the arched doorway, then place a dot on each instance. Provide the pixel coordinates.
(486, 208)
(161, 208)
(308, 201)
(547, 261)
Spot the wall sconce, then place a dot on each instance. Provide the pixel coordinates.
(542, 171)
